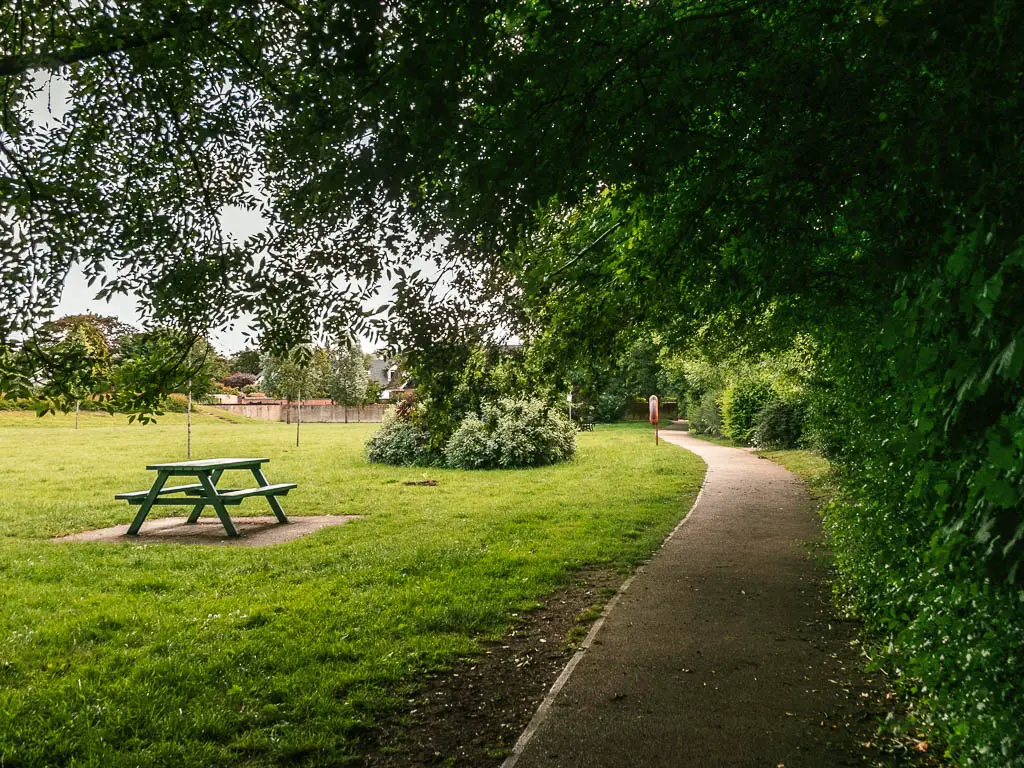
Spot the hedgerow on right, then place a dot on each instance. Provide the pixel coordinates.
(922, 418)
(928, 435)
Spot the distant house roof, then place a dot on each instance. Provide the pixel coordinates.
(379, 371)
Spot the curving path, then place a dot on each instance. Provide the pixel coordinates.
(720, 652)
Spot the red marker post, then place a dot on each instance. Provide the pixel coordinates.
(652, 404)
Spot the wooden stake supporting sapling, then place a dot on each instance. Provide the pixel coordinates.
(188, 423)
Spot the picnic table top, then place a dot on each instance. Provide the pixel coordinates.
(184, 467)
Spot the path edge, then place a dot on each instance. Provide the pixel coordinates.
(544, 708)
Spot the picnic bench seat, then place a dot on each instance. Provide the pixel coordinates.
(281, 489)
(205, 493)
(137, 497)
(586, 426)
(231, 496)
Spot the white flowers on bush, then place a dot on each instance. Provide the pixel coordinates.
(511, 433)
(508, 433)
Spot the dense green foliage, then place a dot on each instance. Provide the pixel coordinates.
(928, 535)
(349, 377)
(246, 361)
(338, 371)
(742, 401)
(158, 362)
(76, 365)
(461, 377)
(91, 361)
(705, 415)
(511, 433)
(605, 385)
(780, 425)
(458, 377)
(398, 443)
(213, 657)
(506, 433)
(302, 373)
(751, 398)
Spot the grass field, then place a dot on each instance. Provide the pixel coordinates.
(185, 655)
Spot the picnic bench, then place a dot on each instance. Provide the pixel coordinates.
(205, 493)
(586, 426)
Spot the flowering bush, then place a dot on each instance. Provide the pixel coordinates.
(401, 440)
(471, 447)
(239, 380)
(511, 433)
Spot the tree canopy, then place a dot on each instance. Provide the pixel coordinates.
(245, 361)
(347, 382)
(300, 374)
(791, 157)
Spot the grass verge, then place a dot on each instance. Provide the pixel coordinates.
(810, 467)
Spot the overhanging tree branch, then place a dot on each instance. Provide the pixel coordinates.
(590, 247)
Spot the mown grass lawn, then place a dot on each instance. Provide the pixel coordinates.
(187, 655)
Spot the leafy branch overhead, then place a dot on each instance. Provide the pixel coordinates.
(358, 131)
(108, 37)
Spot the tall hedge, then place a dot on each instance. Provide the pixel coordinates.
(928, 430)
(742, 402)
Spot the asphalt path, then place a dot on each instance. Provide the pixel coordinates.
(720, 652)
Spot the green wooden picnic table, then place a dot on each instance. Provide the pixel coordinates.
(205, 493)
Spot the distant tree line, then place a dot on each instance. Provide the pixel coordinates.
(95, 362)
(339, 372)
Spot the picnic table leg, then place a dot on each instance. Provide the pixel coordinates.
(272, 500)
(197, 510)
(211, 499)
(147, 504)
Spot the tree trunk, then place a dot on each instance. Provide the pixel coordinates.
(77, 404)
(298, 420)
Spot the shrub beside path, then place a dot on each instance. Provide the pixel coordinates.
(723, 651)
